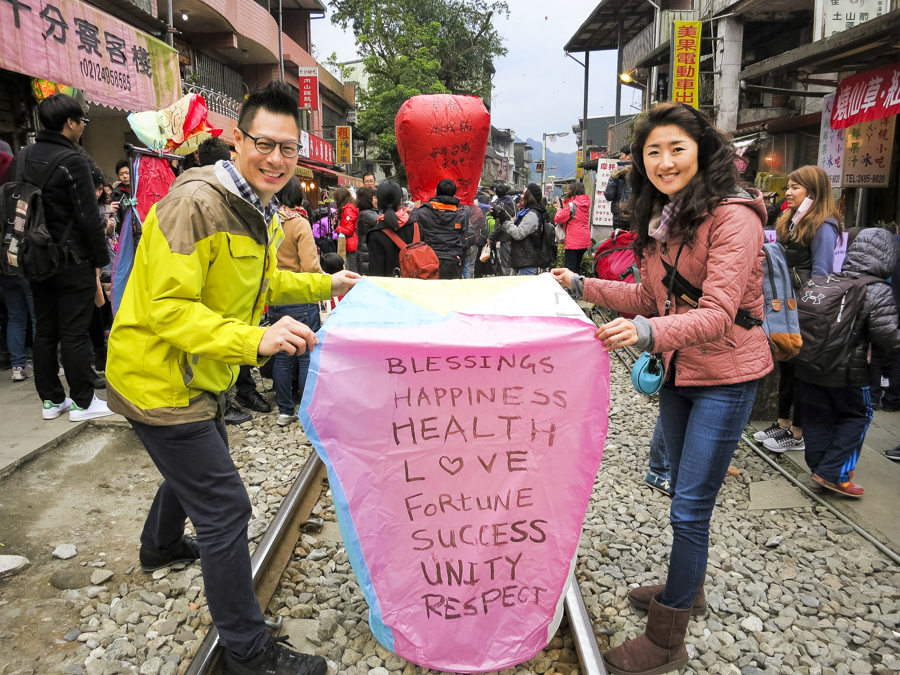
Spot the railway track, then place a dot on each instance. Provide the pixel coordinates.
(274, 552)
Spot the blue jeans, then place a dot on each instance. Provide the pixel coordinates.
(17, 293)
(283, 372)
(659, 464)
(836, 420)
(702, 427)
(469, 262)
(526, 270)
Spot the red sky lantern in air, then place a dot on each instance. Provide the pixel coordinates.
(443, 136)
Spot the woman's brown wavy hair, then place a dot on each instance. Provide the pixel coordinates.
(818, 188)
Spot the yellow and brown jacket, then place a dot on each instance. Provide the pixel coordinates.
(204, 271)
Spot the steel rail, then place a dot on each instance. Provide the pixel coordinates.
(205, 658)
(798, 483)
(583, 632)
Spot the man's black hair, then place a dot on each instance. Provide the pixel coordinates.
(368, 173)
(332, 263)
(54, 111)
(212, 150)
(501, 190)
(292, 194)
(276, 98)
(626, 149)
(446, 188)
(123, 164)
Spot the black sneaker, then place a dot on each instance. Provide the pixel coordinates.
(236, 416)
(254, 401)
(893, 453)
(276, 659)
(186, 553)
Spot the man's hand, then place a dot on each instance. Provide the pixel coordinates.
(563, 276)
(617, 333)
(342, 282)
(287, 335)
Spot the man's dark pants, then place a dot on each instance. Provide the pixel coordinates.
(63, 309)
(201, 482)
(449, 269)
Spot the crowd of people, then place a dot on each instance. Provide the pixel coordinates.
(188, 327)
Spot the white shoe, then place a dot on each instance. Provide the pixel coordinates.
(284, 420)
(19, 373)
(97, 408)
(53, 410)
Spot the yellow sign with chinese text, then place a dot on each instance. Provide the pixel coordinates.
(343, 143)
(684, 71)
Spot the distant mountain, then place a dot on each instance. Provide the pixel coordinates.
(563, 161)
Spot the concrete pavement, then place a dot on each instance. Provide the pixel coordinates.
(24, 434)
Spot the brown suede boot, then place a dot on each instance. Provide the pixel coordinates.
(659, 650)
(642, 595)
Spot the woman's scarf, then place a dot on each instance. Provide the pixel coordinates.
(661, 221)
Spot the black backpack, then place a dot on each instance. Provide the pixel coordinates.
(548, 251)
(26, 247)
(829, 308)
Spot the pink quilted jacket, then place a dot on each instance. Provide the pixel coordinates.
(578, 227)
(703, 345)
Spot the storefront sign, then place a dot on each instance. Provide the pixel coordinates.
(344, 143)
(603, 216)
(579, 171)
(313, 147)
(309, 88)
(504, 168)
(685, 66)
(867, 96)
(867, 153)
(831, 145)
(839, 15)
(75, 44)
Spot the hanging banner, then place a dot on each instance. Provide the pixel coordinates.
(79, 46)
(462, 460)
(867, 153)
(602, 216)
(579, 171)
(831, 145)
(343, 145)
(309, 87)
(684, 84)
(872, 95)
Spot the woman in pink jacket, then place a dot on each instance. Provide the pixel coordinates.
(574, 214)
(692, 215)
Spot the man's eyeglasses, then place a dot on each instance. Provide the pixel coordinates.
(265, 145)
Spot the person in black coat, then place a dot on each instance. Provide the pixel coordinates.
(443, 224)
(368, 215)
(64, 303)
(384, 254)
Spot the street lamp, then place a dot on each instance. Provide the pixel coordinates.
(628, 79)
(552, 136)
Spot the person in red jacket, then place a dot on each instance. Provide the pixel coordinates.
(574, 214)
(345, 207)
(691, 214)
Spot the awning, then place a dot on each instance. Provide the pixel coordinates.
(343, 178)
(112, 63)
(600, 32)
(863, 47)
(303, 172)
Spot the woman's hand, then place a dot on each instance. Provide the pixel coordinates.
(563, 276)
(617, 333)
(113, 207)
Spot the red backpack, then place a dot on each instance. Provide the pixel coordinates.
(615, 261)
(417, 259)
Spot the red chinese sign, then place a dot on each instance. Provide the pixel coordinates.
(75, 44)
(868, 96)
(685, 67)
(309, 88)
(313, 147)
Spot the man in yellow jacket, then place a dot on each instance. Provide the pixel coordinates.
(204, 270)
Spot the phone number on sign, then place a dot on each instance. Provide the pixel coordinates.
(104, 74)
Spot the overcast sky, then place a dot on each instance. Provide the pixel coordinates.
(537, 89)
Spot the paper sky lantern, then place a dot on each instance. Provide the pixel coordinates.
(462, 424)
(178, 129)
(443, 136)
